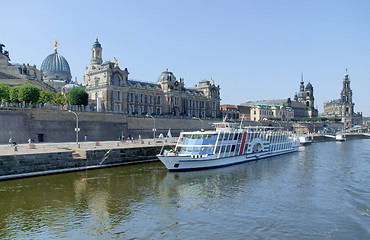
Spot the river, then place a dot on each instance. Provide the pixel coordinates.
(320, 192)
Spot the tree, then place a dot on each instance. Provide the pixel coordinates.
(45, 96)
(78, 96)
(13, 94)
(59, 99)
(29, 93)
(4, 92)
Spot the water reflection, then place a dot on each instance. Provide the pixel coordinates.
(321, 192)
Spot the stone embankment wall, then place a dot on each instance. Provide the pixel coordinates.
(43, 125)
(43, 163)
(59, 125)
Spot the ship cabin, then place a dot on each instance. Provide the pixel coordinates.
(230, 140)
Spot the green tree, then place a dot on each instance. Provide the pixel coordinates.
(45, 96)
(78, 96)
(29, 93)
(13, 94)
(4, 92)
(59, 99)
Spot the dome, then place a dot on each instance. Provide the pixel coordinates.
(166, 76)
(308, 86)
(71, 86)
(55, 64)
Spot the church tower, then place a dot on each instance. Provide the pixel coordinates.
(96, 53)
(346, 100)
(301, 95)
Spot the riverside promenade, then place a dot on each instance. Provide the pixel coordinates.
(35, 159)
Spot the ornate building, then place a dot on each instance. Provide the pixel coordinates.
(56, 71)
(306, 97)
(17, 74)
(302, 106)
(111, 90)
(344, 107)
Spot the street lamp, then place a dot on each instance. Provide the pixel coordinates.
(76, 129)
(202, 130)
(154, 130)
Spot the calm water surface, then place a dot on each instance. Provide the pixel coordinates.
(321, 192)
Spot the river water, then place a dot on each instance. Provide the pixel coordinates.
(320, 192)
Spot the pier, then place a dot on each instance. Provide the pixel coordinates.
(35, 159)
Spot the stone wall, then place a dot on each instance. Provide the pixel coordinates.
(42, 162)
(19, 164)
(59, 125)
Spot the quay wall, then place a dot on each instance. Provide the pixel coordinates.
(43, 125)
(12, 166)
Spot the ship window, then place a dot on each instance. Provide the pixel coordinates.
(213, 139)
(210, 150)
(226, 136)
(217, 149)
(228, 148)
(196, 150)
(221, 136)
(223, 149)
(236, 136)
(233, 148)
(203, 150)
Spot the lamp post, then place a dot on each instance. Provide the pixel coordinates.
(202, 130)
(154, 130)
(77, 129)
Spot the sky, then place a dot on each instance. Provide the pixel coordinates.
(253, 49)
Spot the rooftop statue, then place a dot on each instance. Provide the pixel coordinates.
(55, 45)
(116, 62)
(1, 47)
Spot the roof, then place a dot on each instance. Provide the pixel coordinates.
(55, 63)
(6, 76)
(276, 102)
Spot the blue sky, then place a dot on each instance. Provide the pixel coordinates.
(254, 50)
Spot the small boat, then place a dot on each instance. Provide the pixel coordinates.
(340, 138)
(304, 140)
(227, 145)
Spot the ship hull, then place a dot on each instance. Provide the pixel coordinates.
(186, 163)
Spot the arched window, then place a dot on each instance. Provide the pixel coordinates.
(116, 80)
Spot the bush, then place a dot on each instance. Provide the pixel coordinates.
(13, 94)
(4, 92)
(45, 96)
(29, 93)
(78, 96)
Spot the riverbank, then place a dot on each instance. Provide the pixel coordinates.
(28, 160)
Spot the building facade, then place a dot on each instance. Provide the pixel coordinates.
(344, 107)
(307, 100)
(231, 112)
(19, 74)
(111, 90)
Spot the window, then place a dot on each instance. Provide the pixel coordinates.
(149, 99)
(140, 96)
(159, 100)
(116, 80)
(130, 97)
(116, 95)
